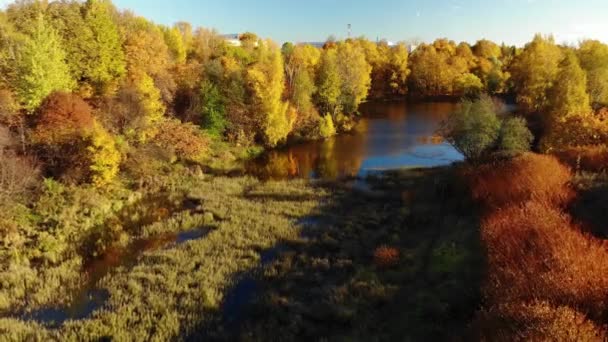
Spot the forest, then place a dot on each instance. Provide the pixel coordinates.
(119, 134)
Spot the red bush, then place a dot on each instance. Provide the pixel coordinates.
(586, 158)
(385, 256)
(62, 117)
(182, 138)
(536, 321)
(527, 177)
(535, 252)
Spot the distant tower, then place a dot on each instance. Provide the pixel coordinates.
(350, 31)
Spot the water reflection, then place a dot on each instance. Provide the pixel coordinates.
(391, 135)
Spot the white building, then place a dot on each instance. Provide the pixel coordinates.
(231, 39)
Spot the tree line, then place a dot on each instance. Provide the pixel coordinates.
(84, 85)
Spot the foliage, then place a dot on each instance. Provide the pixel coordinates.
(385, 256)
(593, 56)
(468, 85)
(266, 82)
(175, 44)
(514, 136)
(104, 157)
(151, 108)
(328, 83)
(185, 140)
(326, 126)
(534, 73)
(473, 128)
(62, 118)
(573, 131)
(355, 77)
(18, 176)
(524, 178)
(535, 321)
(212, 109)
(106, 58)
(569, 96)
(41, 67)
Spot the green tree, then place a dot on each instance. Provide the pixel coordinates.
(212, 109)
(106, 59)
(77, 36)
(41, 67)
(473, 128)
(569, 96)
(514, 136)
(534, 72)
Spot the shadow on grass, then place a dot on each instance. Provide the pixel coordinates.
(590, 207)
(327, 285)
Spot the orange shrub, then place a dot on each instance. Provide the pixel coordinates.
(535, 252)
(536, 321)
(527, 177)
(585, 158)
(385, 256)
(182, 138)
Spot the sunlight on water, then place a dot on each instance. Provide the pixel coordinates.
(391, 135)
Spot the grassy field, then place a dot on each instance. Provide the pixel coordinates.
(398, 257)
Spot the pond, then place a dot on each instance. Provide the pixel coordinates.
(390, 135)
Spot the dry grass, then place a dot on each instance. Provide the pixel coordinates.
(385, 256)
(536, 321)
(527, 177)
(535, 252)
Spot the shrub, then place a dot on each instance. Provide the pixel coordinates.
(326, 127)
(473, 128)
(184, 139)
(17, 176)
(575, 131)
(104, 157)
(585, 158)
(62, 118)
(536, 321)
(385, 256)
(514, 136)
(535, 252)
(527, 177)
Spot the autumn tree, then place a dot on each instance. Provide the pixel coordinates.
(593, 56)
(63, 117)
(328, 83)
(175, 43)
(398, 70)
(300, 68)
(61, 128)
(569, 96)
(265, 79)
(42, 66)
(355, 76)
(534, 72)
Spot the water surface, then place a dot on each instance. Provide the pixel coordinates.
(390, 135)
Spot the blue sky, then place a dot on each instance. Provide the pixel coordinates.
(511, 21)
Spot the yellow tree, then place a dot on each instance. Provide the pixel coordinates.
(266, 82)
(593, 56)
(569, 97)
(355, 76)
(534, 72)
